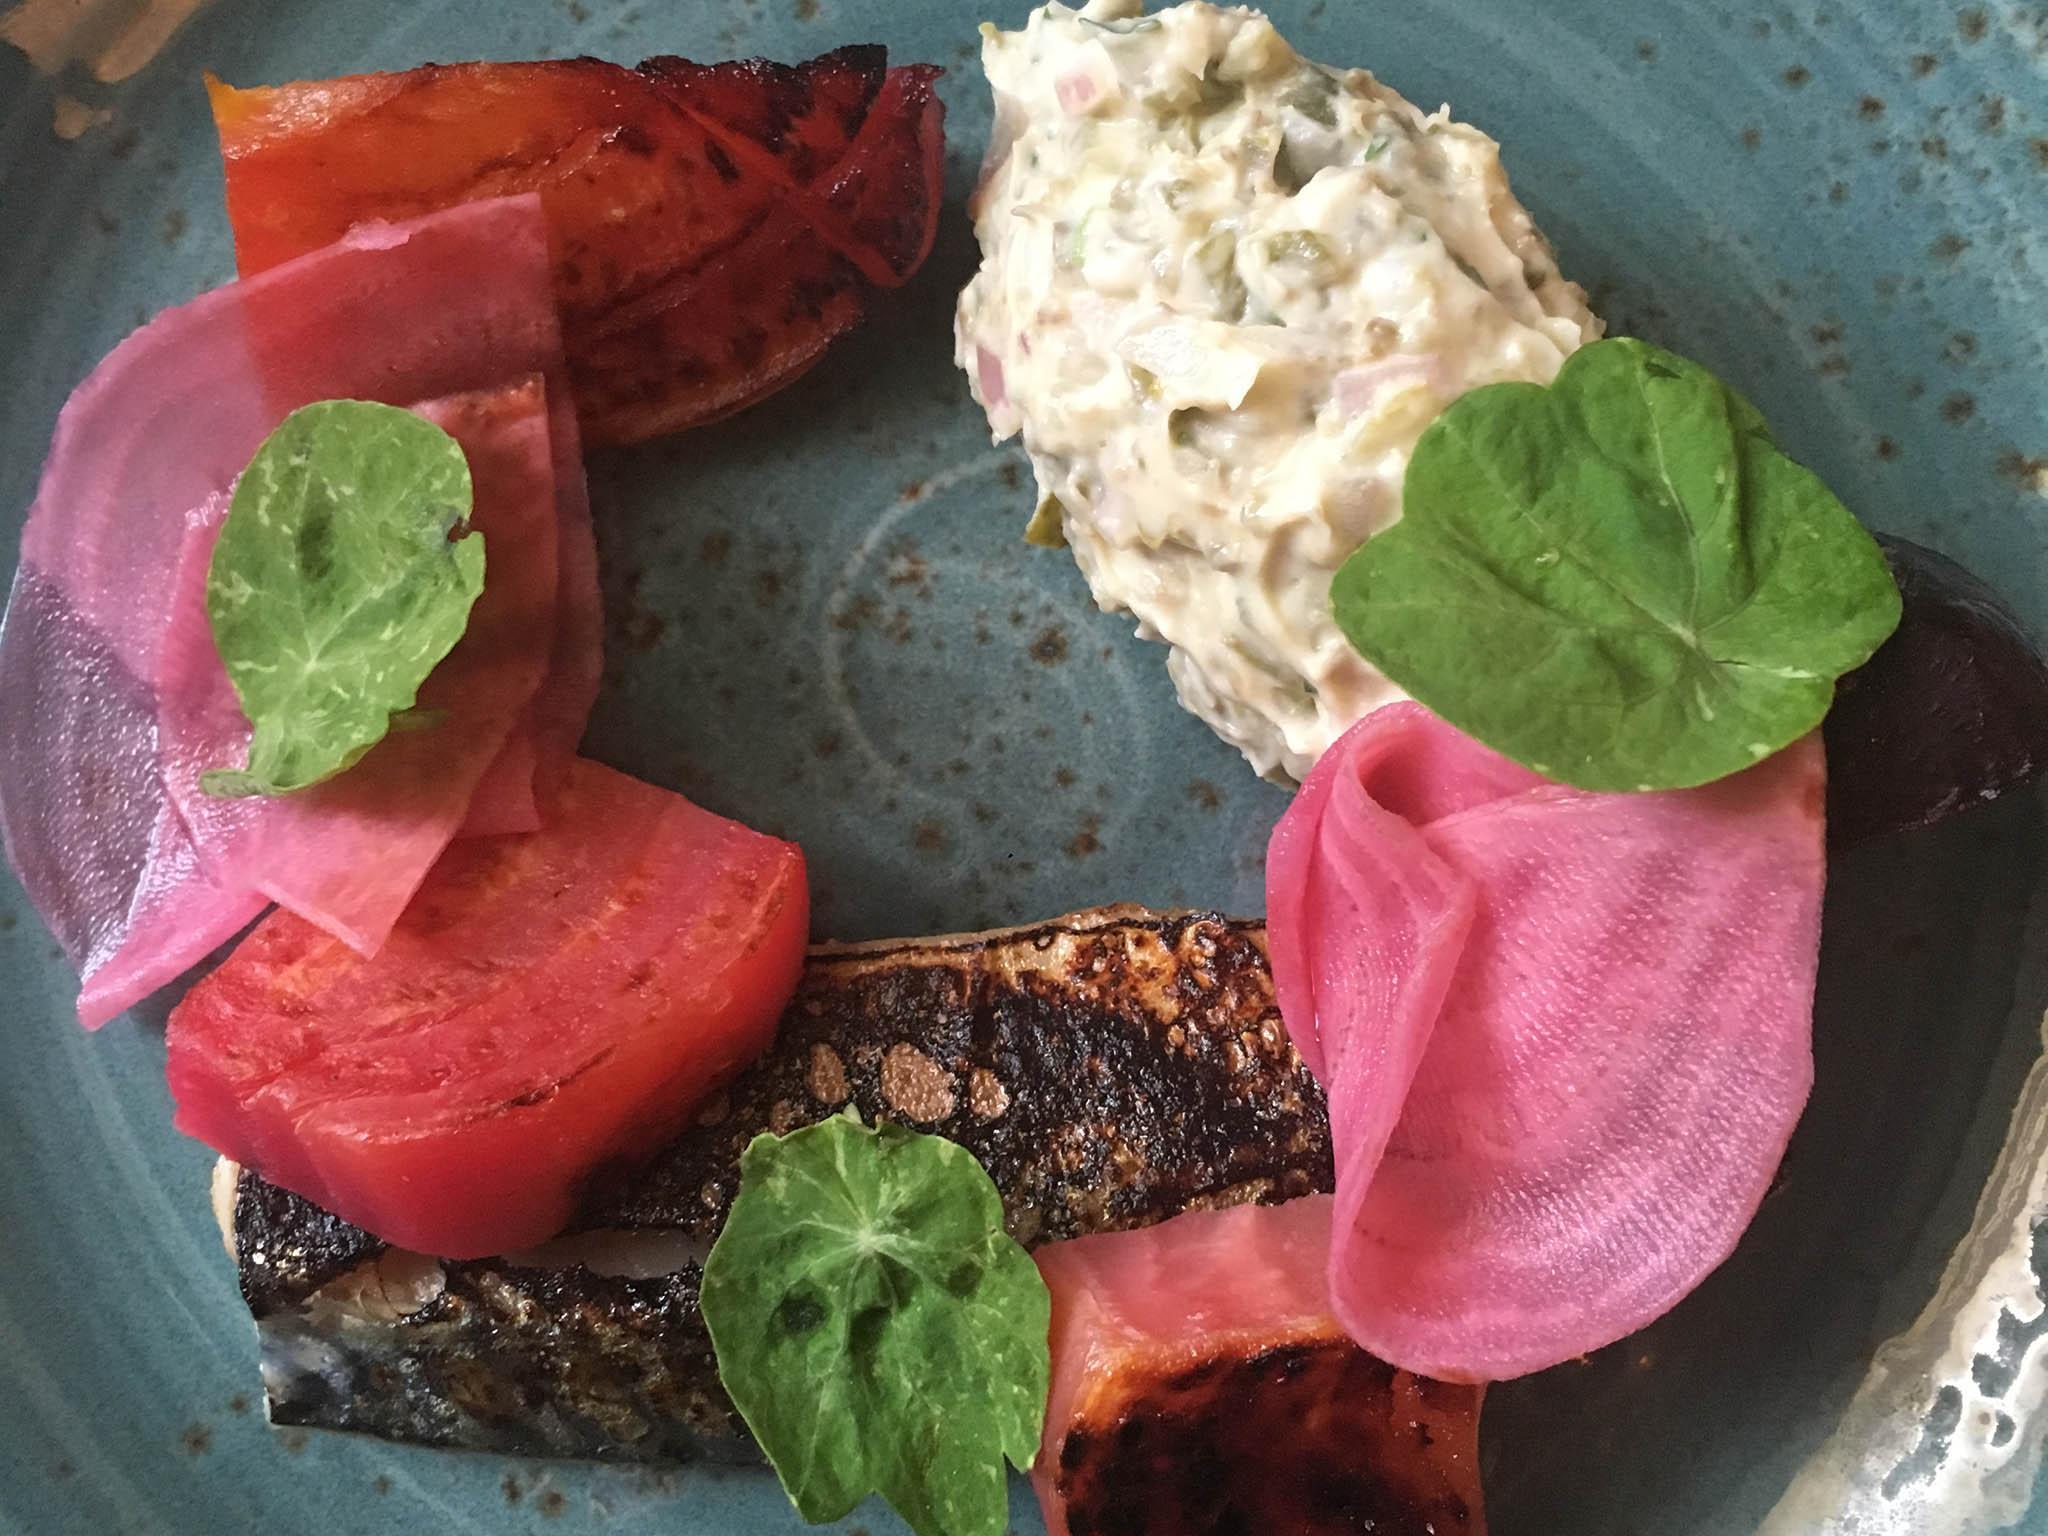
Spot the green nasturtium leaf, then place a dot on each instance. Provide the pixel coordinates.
(877, 1328)
(344, 572)
(1619, 580)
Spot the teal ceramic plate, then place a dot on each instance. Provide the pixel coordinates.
(822, 620)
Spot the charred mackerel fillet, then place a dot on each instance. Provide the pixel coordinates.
(1110, 1069)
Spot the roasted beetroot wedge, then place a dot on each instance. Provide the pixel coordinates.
(549, 1005)
(1952, 711)
(713, 227)
(1200, 1387)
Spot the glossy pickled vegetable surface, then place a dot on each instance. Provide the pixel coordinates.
(796, 601)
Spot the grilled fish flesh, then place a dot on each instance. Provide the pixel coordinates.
(1110, 1069)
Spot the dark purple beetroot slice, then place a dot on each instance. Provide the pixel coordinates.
(1952, 710)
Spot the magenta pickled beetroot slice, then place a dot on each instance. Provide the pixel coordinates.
(395, 313)
(1565, 1035)
(347, 854)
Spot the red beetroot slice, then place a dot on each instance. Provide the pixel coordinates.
(804, 115)
(887, 189)
(549, 1004)
(1199, 1383)
(660, 184)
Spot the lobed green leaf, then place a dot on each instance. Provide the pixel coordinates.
(343, 574)
(877, 1328)
(1619, 581)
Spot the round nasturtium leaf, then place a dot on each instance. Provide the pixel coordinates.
(1619, 581)
(877, 1328)
(344, 572)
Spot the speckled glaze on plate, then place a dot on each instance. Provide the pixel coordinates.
(822, 619)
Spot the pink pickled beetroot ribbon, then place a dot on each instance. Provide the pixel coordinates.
(1565, 1036)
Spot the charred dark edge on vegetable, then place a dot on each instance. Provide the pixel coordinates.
(1951, 712)
(1110, 1069)
(1194, 1449)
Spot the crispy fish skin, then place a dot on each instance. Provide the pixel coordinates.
(1110, 1069)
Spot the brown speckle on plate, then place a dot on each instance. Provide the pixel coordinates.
(638, 628)
(2030, 472)
(907, 568)
(1050, 648)
(1958, 408)
(1087, 839)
